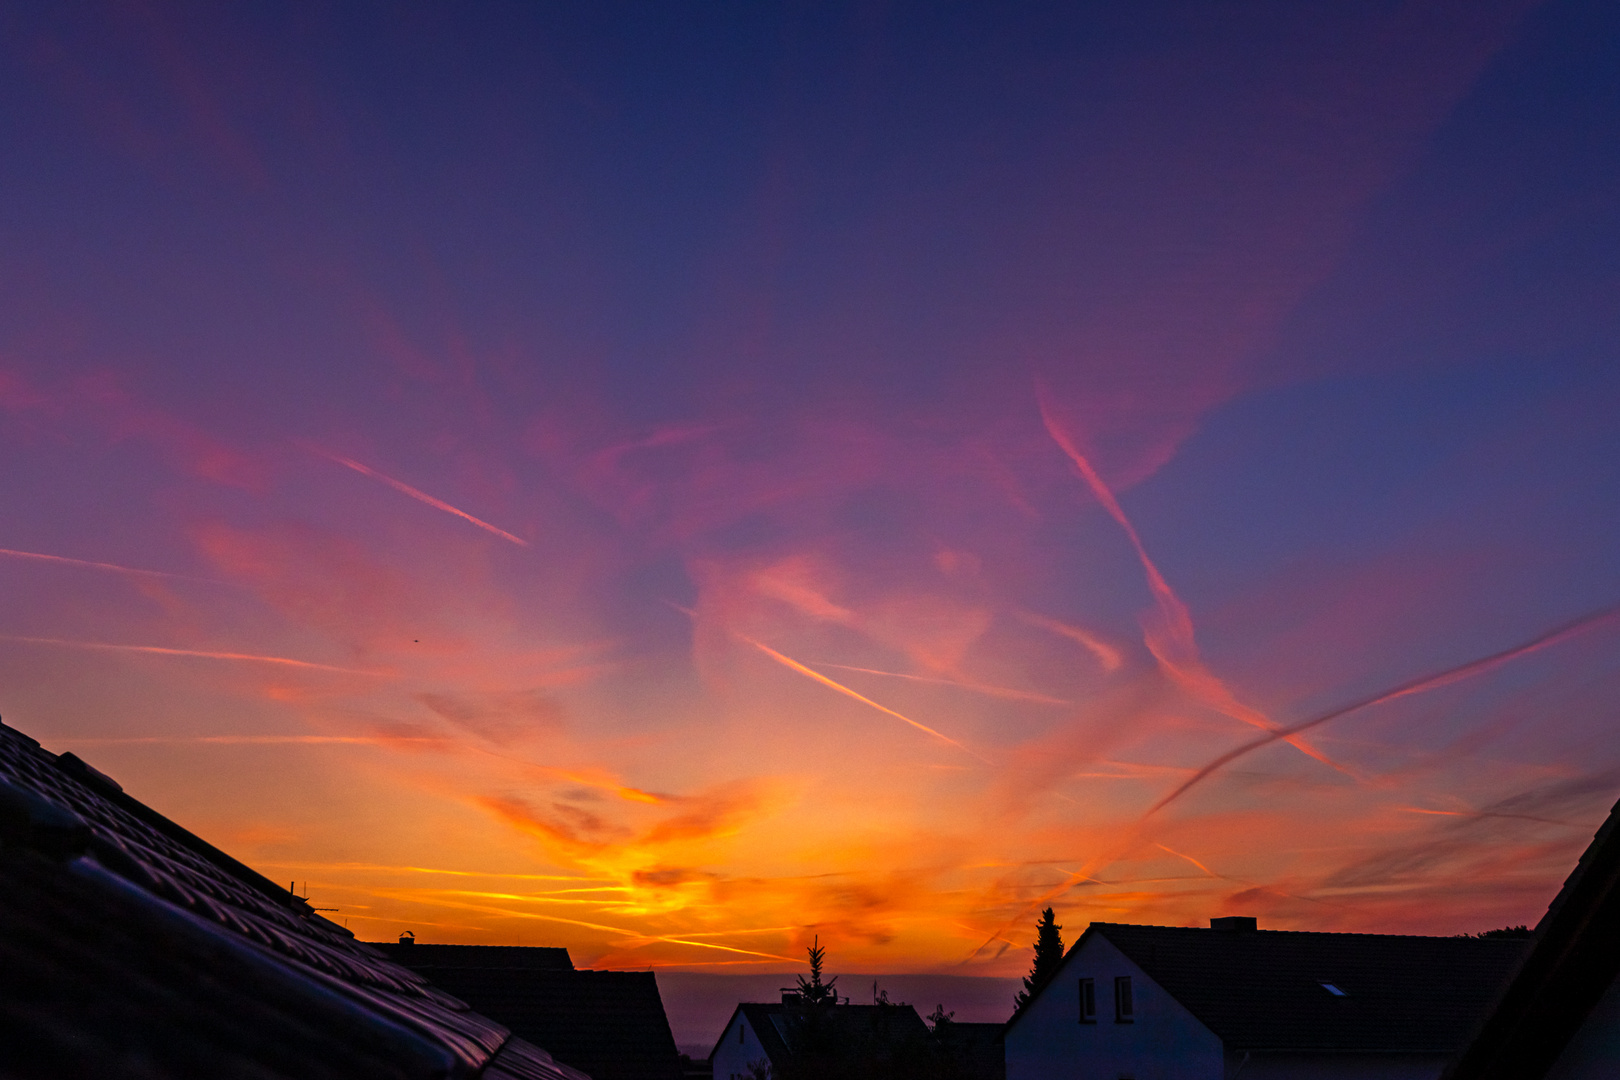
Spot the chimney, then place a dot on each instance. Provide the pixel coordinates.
(407, 938)
(1235, 924)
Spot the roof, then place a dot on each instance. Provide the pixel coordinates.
(610, 1024)
(977, 1047)
(422, 957)
(786, 1032)
(1264, 990)
(1573, 960)
(133, 948)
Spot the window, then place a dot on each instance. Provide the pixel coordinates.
(742, 1034)
(1124, 1007)
(1334, 990)
(1088, 1001)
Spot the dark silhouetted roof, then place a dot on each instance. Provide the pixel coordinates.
(1263, 989)
(132, 948)
(424, 958)
(783, 1030)
(610, 1024)
(1573, 959)
(978, 1048)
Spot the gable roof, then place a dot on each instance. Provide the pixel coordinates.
(782, 1029)
(134, 948)
(610, 1024)
(425, 958)
(1573, 960)
(1263, 990)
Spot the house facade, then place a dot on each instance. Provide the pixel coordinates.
(1233, 1001)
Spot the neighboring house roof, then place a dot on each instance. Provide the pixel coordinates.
(1263, 990)
(133, 948)
(977, 1047)
(1573, 960)
(419, 956)
(784, 1031)
(610, 1024)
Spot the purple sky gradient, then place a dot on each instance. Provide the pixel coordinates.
(578, 475)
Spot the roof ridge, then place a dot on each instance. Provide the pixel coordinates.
(1309, 933)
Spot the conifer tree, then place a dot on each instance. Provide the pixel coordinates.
(1048, 955)
(816, 992)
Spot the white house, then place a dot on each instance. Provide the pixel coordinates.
(1559, 1018)
(774, 1034)
(1234, 1002)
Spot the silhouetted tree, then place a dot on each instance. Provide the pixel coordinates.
(939, 1019)
(1507, 932)
(816, 992)
(1048, 955)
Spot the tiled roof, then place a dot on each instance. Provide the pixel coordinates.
(782, 1029)
(1264, 989)
(1573, 960)
(133, 948)
(610, 1024)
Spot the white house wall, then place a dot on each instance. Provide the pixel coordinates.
(1165, 1041)
(737, 1049)
(1335, 1066)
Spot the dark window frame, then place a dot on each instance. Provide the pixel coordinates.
(1124, 1000)
(1088, 1001)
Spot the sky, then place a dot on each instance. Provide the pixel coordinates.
(682, 481)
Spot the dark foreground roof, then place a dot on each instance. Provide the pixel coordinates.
(610, 1024)
(1574, 958)
(131, 948)
(787, 1032)
(1263, 990)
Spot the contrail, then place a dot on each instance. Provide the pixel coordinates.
(1106, 654)
(421, 496)
(1188, 671)
(244, 740)
(977, 688)
(1415, 686)
(1189, 858)
(341, 866)
(159, 651)
(792, 664)
(112, 567)
(634, 937)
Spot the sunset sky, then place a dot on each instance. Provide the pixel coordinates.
(675, 480)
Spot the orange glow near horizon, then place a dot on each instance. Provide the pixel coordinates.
(888, 474)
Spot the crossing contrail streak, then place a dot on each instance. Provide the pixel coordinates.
(1177, 653)
(811, 673)
(1419, 685)
(1422, 684)
(156, 650)
(86, 564)
(421, 496)
(977, 688)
